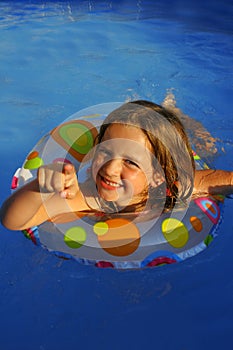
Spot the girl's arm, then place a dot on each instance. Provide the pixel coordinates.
(211, 181)
(54, 192)
(24, 208)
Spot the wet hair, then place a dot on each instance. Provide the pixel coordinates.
(169, 143)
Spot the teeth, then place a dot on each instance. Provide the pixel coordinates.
(113, 184)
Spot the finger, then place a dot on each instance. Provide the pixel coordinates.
(71, 188)
(68, 169)
(68, 183)
(58, 181)
(51, 178)
(41, 177)
(49, 181)
(70, 192)
(70, 177)
(44, 179)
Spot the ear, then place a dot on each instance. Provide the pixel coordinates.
(157, 180)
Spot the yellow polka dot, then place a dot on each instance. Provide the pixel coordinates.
(175, 232)
(196, 223)
(100, 228)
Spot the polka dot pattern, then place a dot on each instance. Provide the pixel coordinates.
(175, 232)
(209, 207)
(196, 223)
(33, 161)
(75, 237)
(116, 242)
(62, 160)
(100, 228)
(76, 136)
(121, 238)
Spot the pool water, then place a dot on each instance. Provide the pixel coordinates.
(58, 57)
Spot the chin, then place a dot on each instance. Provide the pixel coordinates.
(108, 197)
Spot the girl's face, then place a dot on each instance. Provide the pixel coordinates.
(122, 165)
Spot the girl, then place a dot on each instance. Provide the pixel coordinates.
(142, 161)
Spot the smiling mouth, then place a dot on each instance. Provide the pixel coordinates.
(109, 185)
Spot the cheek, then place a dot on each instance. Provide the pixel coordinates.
(138, 181)
(97, 163)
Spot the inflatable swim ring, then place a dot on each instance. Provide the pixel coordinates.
(118, 241)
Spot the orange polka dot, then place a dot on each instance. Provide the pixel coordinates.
(196, 223)
(121, 239)
(33, 155)
(210, 207)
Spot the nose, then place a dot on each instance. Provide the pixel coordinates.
(113, 167)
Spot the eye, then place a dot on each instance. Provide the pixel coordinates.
(131, 163)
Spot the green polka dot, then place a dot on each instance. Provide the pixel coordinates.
(33, 163)
(175, 232)
(100, 228)
(78, 137)
(208, 240)
(196, 157)
(75, 237)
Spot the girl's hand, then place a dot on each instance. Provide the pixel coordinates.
(58, 178)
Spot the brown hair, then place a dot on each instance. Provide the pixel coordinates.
(169, 143)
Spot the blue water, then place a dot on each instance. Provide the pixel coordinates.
(59, 57)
